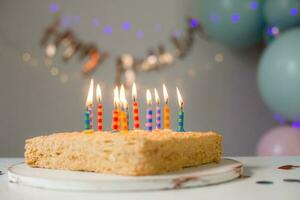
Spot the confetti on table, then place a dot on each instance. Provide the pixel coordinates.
(264, 182)
(292, 180)
(288, 167)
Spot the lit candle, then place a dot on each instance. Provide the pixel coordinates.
(149, 114)
(116, 111)
(135, 108)
(166, 108)
(180, 112)
(99, 101)
(88, 115)
(124, 111)
(158, 111)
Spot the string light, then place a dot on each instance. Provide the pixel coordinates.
(127, 65)
(64, 78)
(48, 62)
(219, 58)
(26, 57)
(50, 50)
(54, 71)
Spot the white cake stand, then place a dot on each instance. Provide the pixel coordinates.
(209, 174)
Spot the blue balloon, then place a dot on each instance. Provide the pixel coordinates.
(237, 23)
(282, 13)
(279, 75)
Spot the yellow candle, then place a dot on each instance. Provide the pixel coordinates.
(123, 101)
(166, 108)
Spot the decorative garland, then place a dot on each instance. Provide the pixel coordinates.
(127, 65)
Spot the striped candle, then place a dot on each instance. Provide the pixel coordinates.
(149, 119)
(180, 127)
(90, 110)
(135, 108)
(124, 110)
(166, 116)
(149, 114)
(157, 122)
(88, 114)
(99, 107)
(124, 121)
(166, 108)
(158, 111)
(136, 118)
(100, 119)
(86, 120)
(115, 121)
(115, 125)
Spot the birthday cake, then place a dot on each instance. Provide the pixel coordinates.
(136, 153)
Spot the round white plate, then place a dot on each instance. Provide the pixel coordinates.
(209, 174)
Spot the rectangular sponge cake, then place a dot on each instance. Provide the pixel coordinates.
(136, 153)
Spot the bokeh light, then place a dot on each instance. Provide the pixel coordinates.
(215, 18)
(139, 34)
(95, 22)
(107, 30)
(235, 18)
(193, 23)
(53, 7)
(126, 26)
(294, 11)
(157, 27)
(253, 5)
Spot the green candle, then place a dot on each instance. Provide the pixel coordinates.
(180, 127)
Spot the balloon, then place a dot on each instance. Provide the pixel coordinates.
(237, 23)
(279, 75)
(279, 141)
(282, 13)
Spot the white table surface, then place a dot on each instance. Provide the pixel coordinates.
(259, 168)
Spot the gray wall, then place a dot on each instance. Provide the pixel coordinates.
(218, 96)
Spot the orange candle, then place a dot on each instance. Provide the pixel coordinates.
(166, 108)
(135, 108)
(99, 101)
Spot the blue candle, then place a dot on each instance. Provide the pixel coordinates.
(149, 114)
(158, 110)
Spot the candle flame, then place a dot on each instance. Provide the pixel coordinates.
(166, 96)
(123, 97)
(89, 99)
(156, 96)
(98, 93)
(116, 96)
(134, 92)
(148, 97)
(180, 100)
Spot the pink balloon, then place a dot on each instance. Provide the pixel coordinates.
(279, 141)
